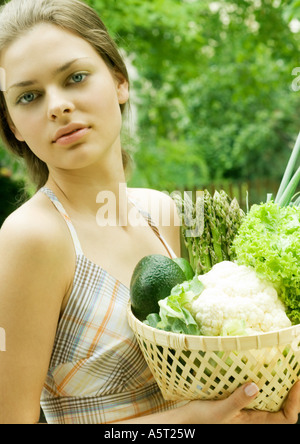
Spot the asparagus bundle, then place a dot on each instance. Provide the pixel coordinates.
(209, 227)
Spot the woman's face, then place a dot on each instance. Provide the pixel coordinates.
(62, 99)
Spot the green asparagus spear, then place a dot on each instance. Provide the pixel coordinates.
(185, 210)
(215, 233)
(236, 215)
(221, 202)
(208, 227)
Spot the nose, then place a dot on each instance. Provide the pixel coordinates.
(59, 106)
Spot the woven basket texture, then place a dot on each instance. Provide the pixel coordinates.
(201, 367)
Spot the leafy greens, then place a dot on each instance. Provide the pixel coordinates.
(174, 314)
(269, 241)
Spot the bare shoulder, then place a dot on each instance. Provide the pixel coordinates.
(163, 211)
(34, 221)
(36, 230)
(36, 261)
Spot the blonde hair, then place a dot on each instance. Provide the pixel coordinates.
(19, 16)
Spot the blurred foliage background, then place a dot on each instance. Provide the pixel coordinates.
(212, 98)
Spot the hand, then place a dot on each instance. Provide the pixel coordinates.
(231, 410)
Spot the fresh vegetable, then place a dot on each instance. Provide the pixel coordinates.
(248, 265)
(229, 300)
(153, 279)
(236, 301)
(174, 314)
(209, 226)
(289, 181)
(235, 327)
(185, 266)
(269, 241)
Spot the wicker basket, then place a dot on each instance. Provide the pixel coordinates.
(202, 367)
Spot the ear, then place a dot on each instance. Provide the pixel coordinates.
(17, 134)
(122, 88)
(14, 130)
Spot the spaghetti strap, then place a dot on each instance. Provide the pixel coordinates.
(73, 232)
(154, 227)
(49, 193)
(97, 373)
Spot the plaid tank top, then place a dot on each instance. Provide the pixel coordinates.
(97, 374)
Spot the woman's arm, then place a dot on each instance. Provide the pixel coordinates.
(32, 286)
(228, 411)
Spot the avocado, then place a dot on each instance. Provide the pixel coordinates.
(186, 267)
(153, 279)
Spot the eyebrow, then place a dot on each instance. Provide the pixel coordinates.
(55, 72)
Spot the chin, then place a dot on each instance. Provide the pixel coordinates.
(84, 156)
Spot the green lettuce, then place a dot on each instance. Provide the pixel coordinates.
(269, 241)
(174, 314)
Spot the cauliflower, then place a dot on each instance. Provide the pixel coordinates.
(234, 294)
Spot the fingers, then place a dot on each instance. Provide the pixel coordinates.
(291, 409)
(240, 399)
(288, 414)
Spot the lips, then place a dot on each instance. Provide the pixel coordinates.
(68, 131)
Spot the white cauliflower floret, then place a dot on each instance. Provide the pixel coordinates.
(233, 292)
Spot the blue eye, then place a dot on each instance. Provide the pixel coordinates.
(27, 98)
(78, 77)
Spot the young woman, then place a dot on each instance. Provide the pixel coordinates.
(64, 275)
